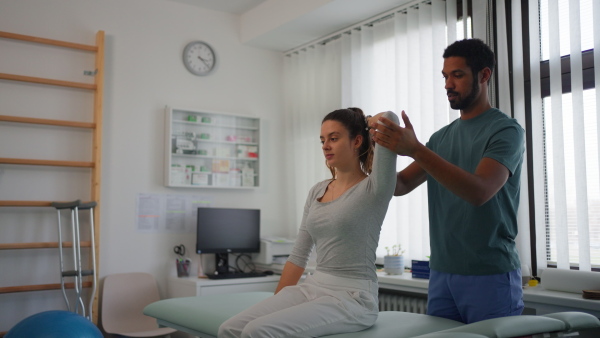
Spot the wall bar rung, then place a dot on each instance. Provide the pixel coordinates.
(25, 203)
(52, 42)
(41, 245)
(52, 163)
(39, 287)
(8, 203)
(31, 79)
(32, 120)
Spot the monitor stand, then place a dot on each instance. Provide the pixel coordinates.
(222, 263)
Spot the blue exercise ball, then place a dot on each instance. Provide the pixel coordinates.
(54, 324)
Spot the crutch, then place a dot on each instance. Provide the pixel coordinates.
(90, 206)
(78, 273)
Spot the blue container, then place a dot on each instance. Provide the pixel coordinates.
(420, 269)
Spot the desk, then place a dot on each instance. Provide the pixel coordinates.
(193, 286)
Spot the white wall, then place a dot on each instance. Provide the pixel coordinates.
(143, 73)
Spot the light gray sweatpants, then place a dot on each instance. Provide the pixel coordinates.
(322, 305)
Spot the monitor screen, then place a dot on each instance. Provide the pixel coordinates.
(224, 230)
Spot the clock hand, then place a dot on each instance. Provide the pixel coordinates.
(204, 61)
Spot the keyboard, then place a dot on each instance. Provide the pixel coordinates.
(236, 275)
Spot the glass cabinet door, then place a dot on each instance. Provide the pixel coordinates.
(207, 149)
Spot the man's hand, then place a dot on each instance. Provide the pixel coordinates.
(401, 140)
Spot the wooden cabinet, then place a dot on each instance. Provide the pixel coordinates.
(211, 150)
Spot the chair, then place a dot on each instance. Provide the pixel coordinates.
(124, 296)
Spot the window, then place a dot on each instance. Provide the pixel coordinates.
(570, 134)
(567, 224)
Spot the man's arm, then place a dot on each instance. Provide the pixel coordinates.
(408, 179)
(476, 188)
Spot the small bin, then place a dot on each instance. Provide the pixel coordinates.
(420, 269)
(183, 268)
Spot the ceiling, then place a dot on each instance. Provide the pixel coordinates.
(283, 25)
(228, 6)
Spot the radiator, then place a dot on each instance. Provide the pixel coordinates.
(398, 301)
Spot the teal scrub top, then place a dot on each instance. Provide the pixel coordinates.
(466, 239)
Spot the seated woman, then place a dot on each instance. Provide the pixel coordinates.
(342, 220)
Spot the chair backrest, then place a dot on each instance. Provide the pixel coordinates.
(124, 297)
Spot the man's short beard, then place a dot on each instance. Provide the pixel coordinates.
(467, 101)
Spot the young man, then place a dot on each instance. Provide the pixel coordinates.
(472, 168)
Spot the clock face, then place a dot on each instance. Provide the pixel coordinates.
(199, 58)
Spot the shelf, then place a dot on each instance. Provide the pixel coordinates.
(210, 186)
(221, 150)
(214, 125)
(229, 142)
(217, 157)
(211, 173)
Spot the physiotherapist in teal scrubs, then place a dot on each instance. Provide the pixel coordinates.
(472, 168)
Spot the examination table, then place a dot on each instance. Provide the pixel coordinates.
(201, 316)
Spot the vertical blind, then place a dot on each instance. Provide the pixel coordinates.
(565, 129)
(391, 63)
(312, 89)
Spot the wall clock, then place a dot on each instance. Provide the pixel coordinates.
(199, 58)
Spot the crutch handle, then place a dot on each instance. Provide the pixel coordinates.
(70, 273)
(73, 273)
(87, 205)
(66, 205)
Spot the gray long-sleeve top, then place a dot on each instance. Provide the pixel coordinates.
(345, 231)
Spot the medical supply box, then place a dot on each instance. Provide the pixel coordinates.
(420, 269)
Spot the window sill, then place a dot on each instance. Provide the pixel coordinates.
(543, 301)
(554, 301)
(403, 282)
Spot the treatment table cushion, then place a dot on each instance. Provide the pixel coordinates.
(513, 326)
(396, 324)
(517, 326)
(576, 321)
(202, 314)
(451, 335)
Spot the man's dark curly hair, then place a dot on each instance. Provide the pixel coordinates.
(477, 54)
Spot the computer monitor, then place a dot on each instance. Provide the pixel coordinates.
(227, 230)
